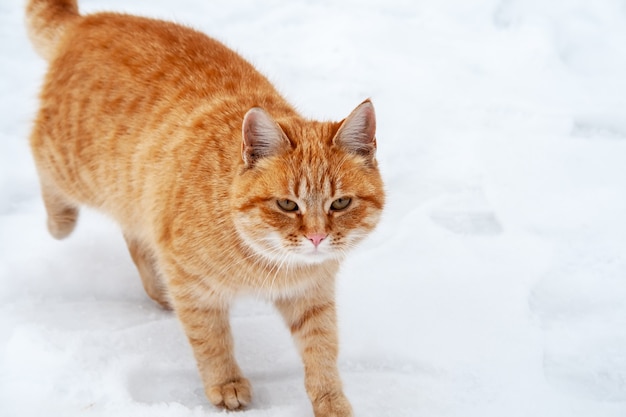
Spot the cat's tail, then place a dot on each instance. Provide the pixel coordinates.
(47, 21)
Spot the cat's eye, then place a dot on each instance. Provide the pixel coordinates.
(340, 203)
(287, 205)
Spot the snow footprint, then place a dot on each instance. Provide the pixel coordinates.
(467, 213)
(599, 127)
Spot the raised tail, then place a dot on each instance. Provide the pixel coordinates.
(46, 21)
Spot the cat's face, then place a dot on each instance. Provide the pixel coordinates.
(304, 211)
(310, 202)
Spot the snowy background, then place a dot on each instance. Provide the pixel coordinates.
(496, 283)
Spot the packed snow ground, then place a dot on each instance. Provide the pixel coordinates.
(496, 283)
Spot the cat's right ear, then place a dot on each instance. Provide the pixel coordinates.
(357, 133)
(262, 137)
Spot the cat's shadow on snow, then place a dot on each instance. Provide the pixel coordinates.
(184, 386)
(153, 386)
(91, 263)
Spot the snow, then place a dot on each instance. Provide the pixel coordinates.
(495, 284)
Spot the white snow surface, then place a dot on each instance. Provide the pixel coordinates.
(495, 284)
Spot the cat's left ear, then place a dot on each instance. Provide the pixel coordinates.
(262, 137)
(357, 133)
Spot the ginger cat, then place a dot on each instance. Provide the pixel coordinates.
(219, 185)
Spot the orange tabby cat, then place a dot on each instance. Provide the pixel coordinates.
(218, 184)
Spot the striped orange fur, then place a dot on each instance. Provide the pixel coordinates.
(219, 186)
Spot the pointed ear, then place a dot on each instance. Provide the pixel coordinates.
(357, 133)
(262, 137)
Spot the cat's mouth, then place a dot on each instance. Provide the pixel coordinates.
(304, 253)
(273, 248)
(308, 253)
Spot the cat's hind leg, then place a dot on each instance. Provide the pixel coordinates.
(151, 279)
(62, 213)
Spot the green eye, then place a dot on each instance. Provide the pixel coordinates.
(341, 203)
(287, 205)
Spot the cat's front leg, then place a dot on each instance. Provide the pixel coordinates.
(313, 324)
(205, 319)
(208, 331)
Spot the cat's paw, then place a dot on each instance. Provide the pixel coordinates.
(62, 223)
(232, 395)
(332, 404)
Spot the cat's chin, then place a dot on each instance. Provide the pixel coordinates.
(294, 258)
(298, 258)
(312, 257)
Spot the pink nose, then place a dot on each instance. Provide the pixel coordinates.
(316, 238)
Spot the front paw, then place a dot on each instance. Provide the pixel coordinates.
(332, 404)
(232, 394)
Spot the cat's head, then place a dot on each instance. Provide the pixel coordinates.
(307, 191)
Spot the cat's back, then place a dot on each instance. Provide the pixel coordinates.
(156, 60)
(128, 100)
